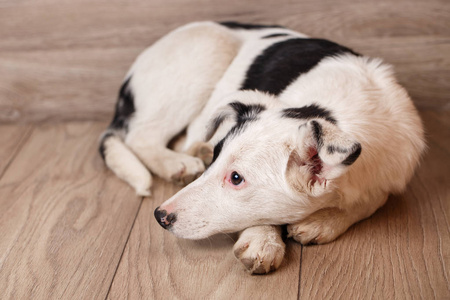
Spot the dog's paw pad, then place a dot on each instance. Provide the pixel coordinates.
(260, 256)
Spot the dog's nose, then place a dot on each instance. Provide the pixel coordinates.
(163, 219)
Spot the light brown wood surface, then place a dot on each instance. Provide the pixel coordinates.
(12, 138)
(64, 60)
(64, 221)
(157, 265)
(69, 229)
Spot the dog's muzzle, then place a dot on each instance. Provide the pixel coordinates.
(163, 219)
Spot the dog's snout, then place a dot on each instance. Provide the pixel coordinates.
(163, 219)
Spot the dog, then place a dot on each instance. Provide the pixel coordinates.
(280, 128)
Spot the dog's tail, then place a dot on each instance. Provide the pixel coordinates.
(123, 162)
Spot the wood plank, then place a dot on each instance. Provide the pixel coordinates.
(12, 139)
(64, 218)
(403, 250)
(157, 265)
(47, 43)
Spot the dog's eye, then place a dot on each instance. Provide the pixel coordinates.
(236, 179)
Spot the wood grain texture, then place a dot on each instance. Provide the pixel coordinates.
(403, 250)
(66, 223)
(64, 219)
(12, 138)
(157, 265)
(64, 60)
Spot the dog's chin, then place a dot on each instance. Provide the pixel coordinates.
(191, 234)
(197, 234)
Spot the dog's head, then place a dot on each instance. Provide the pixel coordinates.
(270, 162)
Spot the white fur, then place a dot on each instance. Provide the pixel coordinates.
(188, 78)
(167, 97)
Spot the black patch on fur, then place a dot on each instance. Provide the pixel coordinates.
(331, 149)
(218, 121)
(317, 131)
(237, 25)
(309, 112)
(244, 114)
(124, 107)
(236, 129)
(274, 35)
(215, 125)
(281, 63)
(356, 151)
(124, 110)
(102, 148)
(217, 150)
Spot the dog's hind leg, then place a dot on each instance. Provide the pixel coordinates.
(172, 82)
(117, 156)
(165, 89)
(260, 248)
(124, 163)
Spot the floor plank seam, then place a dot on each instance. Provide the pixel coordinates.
(20, 145)
(124, 247)
(300, 272)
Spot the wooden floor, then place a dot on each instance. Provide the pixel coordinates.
(69, 229)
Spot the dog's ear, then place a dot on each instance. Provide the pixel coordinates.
(322, 153)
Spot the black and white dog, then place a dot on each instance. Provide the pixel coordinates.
(292, 130)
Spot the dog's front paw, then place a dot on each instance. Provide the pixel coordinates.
(184, 169)
(202, 150)
(260, 249)
(321, 227)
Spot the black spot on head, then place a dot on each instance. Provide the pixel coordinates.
(124, 107)
(317, 131)
(215, 125)
(236, 129)
(244, 114)
(274, 35)
(355, 152)
(217, 121)
(217, 150)
(281, 63)
(309, 112)
(237, 25)
(102, 148)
